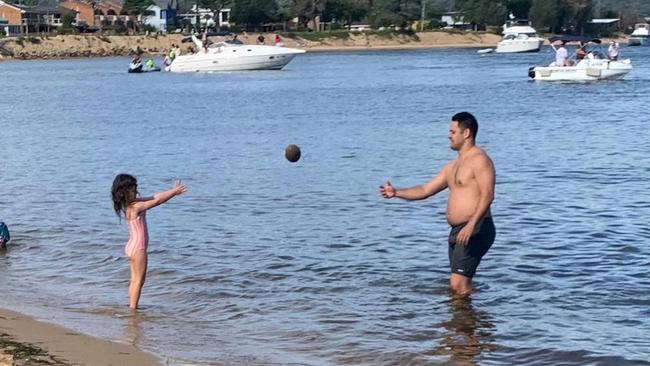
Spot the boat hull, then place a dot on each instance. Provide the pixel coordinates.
(235, 59)
(519, 46)
(637, 41)
(589, 71)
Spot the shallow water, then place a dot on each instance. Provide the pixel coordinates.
(267, 262)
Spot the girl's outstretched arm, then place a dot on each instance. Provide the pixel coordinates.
(143, 204)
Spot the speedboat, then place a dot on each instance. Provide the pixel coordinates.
(595, 66)
(519, 37)
(640, 36)
(232, 56)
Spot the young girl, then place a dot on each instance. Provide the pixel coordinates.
(126, 200)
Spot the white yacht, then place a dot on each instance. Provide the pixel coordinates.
(640, 36)
(519, 37)
(224, 56)
(595, 66)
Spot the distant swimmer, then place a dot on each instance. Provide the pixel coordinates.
(471, 180)
(4, 235)
(126, 201)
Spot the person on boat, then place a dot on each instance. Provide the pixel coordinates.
(170, 56)
(613, 50)
(278, 41)
(581, 52)
(136, 63)
(561, 55)
(149, 64)
(172, 53)
(204, 41)
(260, 39)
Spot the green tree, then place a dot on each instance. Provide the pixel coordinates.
(254, 13)
(490, 12)
(548, 14)
(581, 11)
(285, 12)
(394, 12)
(519, 8)
(308, 10)
(345, 11)
(136, 8)
(67, 18)
(561, 16)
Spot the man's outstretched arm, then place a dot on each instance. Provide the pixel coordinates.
(419, 192)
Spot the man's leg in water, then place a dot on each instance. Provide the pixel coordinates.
(461, 285)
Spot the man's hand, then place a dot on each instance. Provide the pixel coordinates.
(462, 238)
(387, 190)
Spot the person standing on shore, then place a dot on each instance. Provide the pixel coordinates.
(125, 200)
(471, 180)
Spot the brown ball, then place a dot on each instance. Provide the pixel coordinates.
(292, 153)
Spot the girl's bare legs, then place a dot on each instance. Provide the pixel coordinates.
(138, 273)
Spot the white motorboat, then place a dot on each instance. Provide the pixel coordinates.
(519, 37)
(640, 36)
(595, 66)
(224, 56)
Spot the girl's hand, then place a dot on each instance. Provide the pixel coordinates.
(179, 188)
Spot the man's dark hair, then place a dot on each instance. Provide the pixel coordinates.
(466, 120)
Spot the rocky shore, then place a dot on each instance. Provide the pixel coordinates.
(68, 46)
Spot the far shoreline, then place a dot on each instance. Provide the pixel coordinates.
(97, 45)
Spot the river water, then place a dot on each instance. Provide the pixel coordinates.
(267, 262)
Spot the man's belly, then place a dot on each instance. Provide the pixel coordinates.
(461, 206)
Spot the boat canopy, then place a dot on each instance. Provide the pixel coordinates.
(567, 39)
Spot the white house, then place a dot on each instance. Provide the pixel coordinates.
(163, 14)
(205, 18)
(453, 20)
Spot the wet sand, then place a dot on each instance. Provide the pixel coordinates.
(26, 341)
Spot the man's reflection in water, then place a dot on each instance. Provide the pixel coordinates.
(467, 334)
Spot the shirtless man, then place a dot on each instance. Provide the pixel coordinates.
(470, 179)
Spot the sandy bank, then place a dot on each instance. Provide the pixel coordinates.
(25, 341)
(98, 46)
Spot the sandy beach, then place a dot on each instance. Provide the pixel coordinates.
(26, 341)
(45, 47)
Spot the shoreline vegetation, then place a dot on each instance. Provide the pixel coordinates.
(26, 341)
(96, 45)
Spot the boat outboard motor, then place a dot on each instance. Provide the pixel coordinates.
(531, 72)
